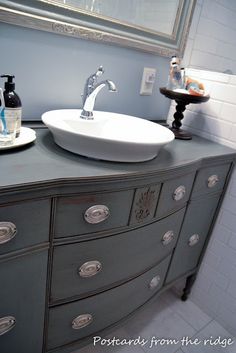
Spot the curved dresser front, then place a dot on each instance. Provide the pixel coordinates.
(84, 244)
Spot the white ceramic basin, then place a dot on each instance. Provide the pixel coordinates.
(110, 136)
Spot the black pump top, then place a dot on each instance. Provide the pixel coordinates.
(9, 84)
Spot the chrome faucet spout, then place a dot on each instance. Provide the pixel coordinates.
(91, 90)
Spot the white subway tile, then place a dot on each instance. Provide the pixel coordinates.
(206, 44)
(199, 59)
(224, 92)
(230, 4)
(212, 108)
(228, 64)
(171, 113)
(199, 2)
(207, 8)
(214, 29)
(226, 143)
(221, 14)
(194, 120)
(232, 136)
(232, 79)
(213, 126)
(226, 50)
(208, 136)
(187, 53)
(195, 21)
(228, 112)
(209, 75)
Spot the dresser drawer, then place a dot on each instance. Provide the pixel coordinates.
(210, 179)
(193, 235)
(22, 303)
(24, 224)
(89, 266)
(90, 213)
(174, 194)
(67, 323)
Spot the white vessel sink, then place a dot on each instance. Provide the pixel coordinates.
(110, 136)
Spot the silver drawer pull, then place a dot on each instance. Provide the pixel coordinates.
(96, 214)
(179, 193)
(212, 181)
(154, 282)
(194, 239)
(82, 321)
(6, 324)
(90, 268)
(167, 237)
(7, 231)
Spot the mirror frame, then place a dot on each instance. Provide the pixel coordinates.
(48, 15)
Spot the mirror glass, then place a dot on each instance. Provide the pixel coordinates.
(155, 26)
(149, 15)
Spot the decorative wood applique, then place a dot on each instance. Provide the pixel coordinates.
(145, 203)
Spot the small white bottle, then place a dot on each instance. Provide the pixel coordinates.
(175, 80)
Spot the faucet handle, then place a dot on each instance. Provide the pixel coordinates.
(100, 71)
(92, 80)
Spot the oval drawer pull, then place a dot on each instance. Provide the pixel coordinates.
(212, 181)
(179, 193)
(167, 237)
(6, 324)
(96, 214)
(194, 239)
(90, 268)
(154, 282)
(82, 321)
(7, 231)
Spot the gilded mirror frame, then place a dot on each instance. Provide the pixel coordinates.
(55, 17)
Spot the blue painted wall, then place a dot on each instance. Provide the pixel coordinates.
(51, 69)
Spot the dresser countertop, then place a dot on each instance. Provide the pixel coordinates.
(45, 162)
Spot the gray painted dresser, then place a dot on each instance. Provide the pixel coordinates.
(84, 243)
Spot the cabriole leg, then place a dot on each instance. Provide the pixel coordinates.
(188, 286)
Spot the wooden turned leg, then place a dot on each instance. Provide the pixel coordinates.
(176, 125)
(188, 286)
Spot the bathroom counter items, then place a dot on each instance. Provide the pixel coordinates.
(65, 218)
(182, 99)
(26, 136)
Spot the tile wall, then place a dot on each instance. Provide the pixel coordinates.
(212, 46)
(212, 38)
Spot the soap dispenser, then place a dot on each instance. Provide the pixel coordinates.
(13, 105)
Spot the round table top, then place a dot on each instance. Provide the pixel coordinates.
(183, 97)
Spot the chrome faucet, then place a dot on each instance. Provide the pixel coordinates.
(91, 90)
